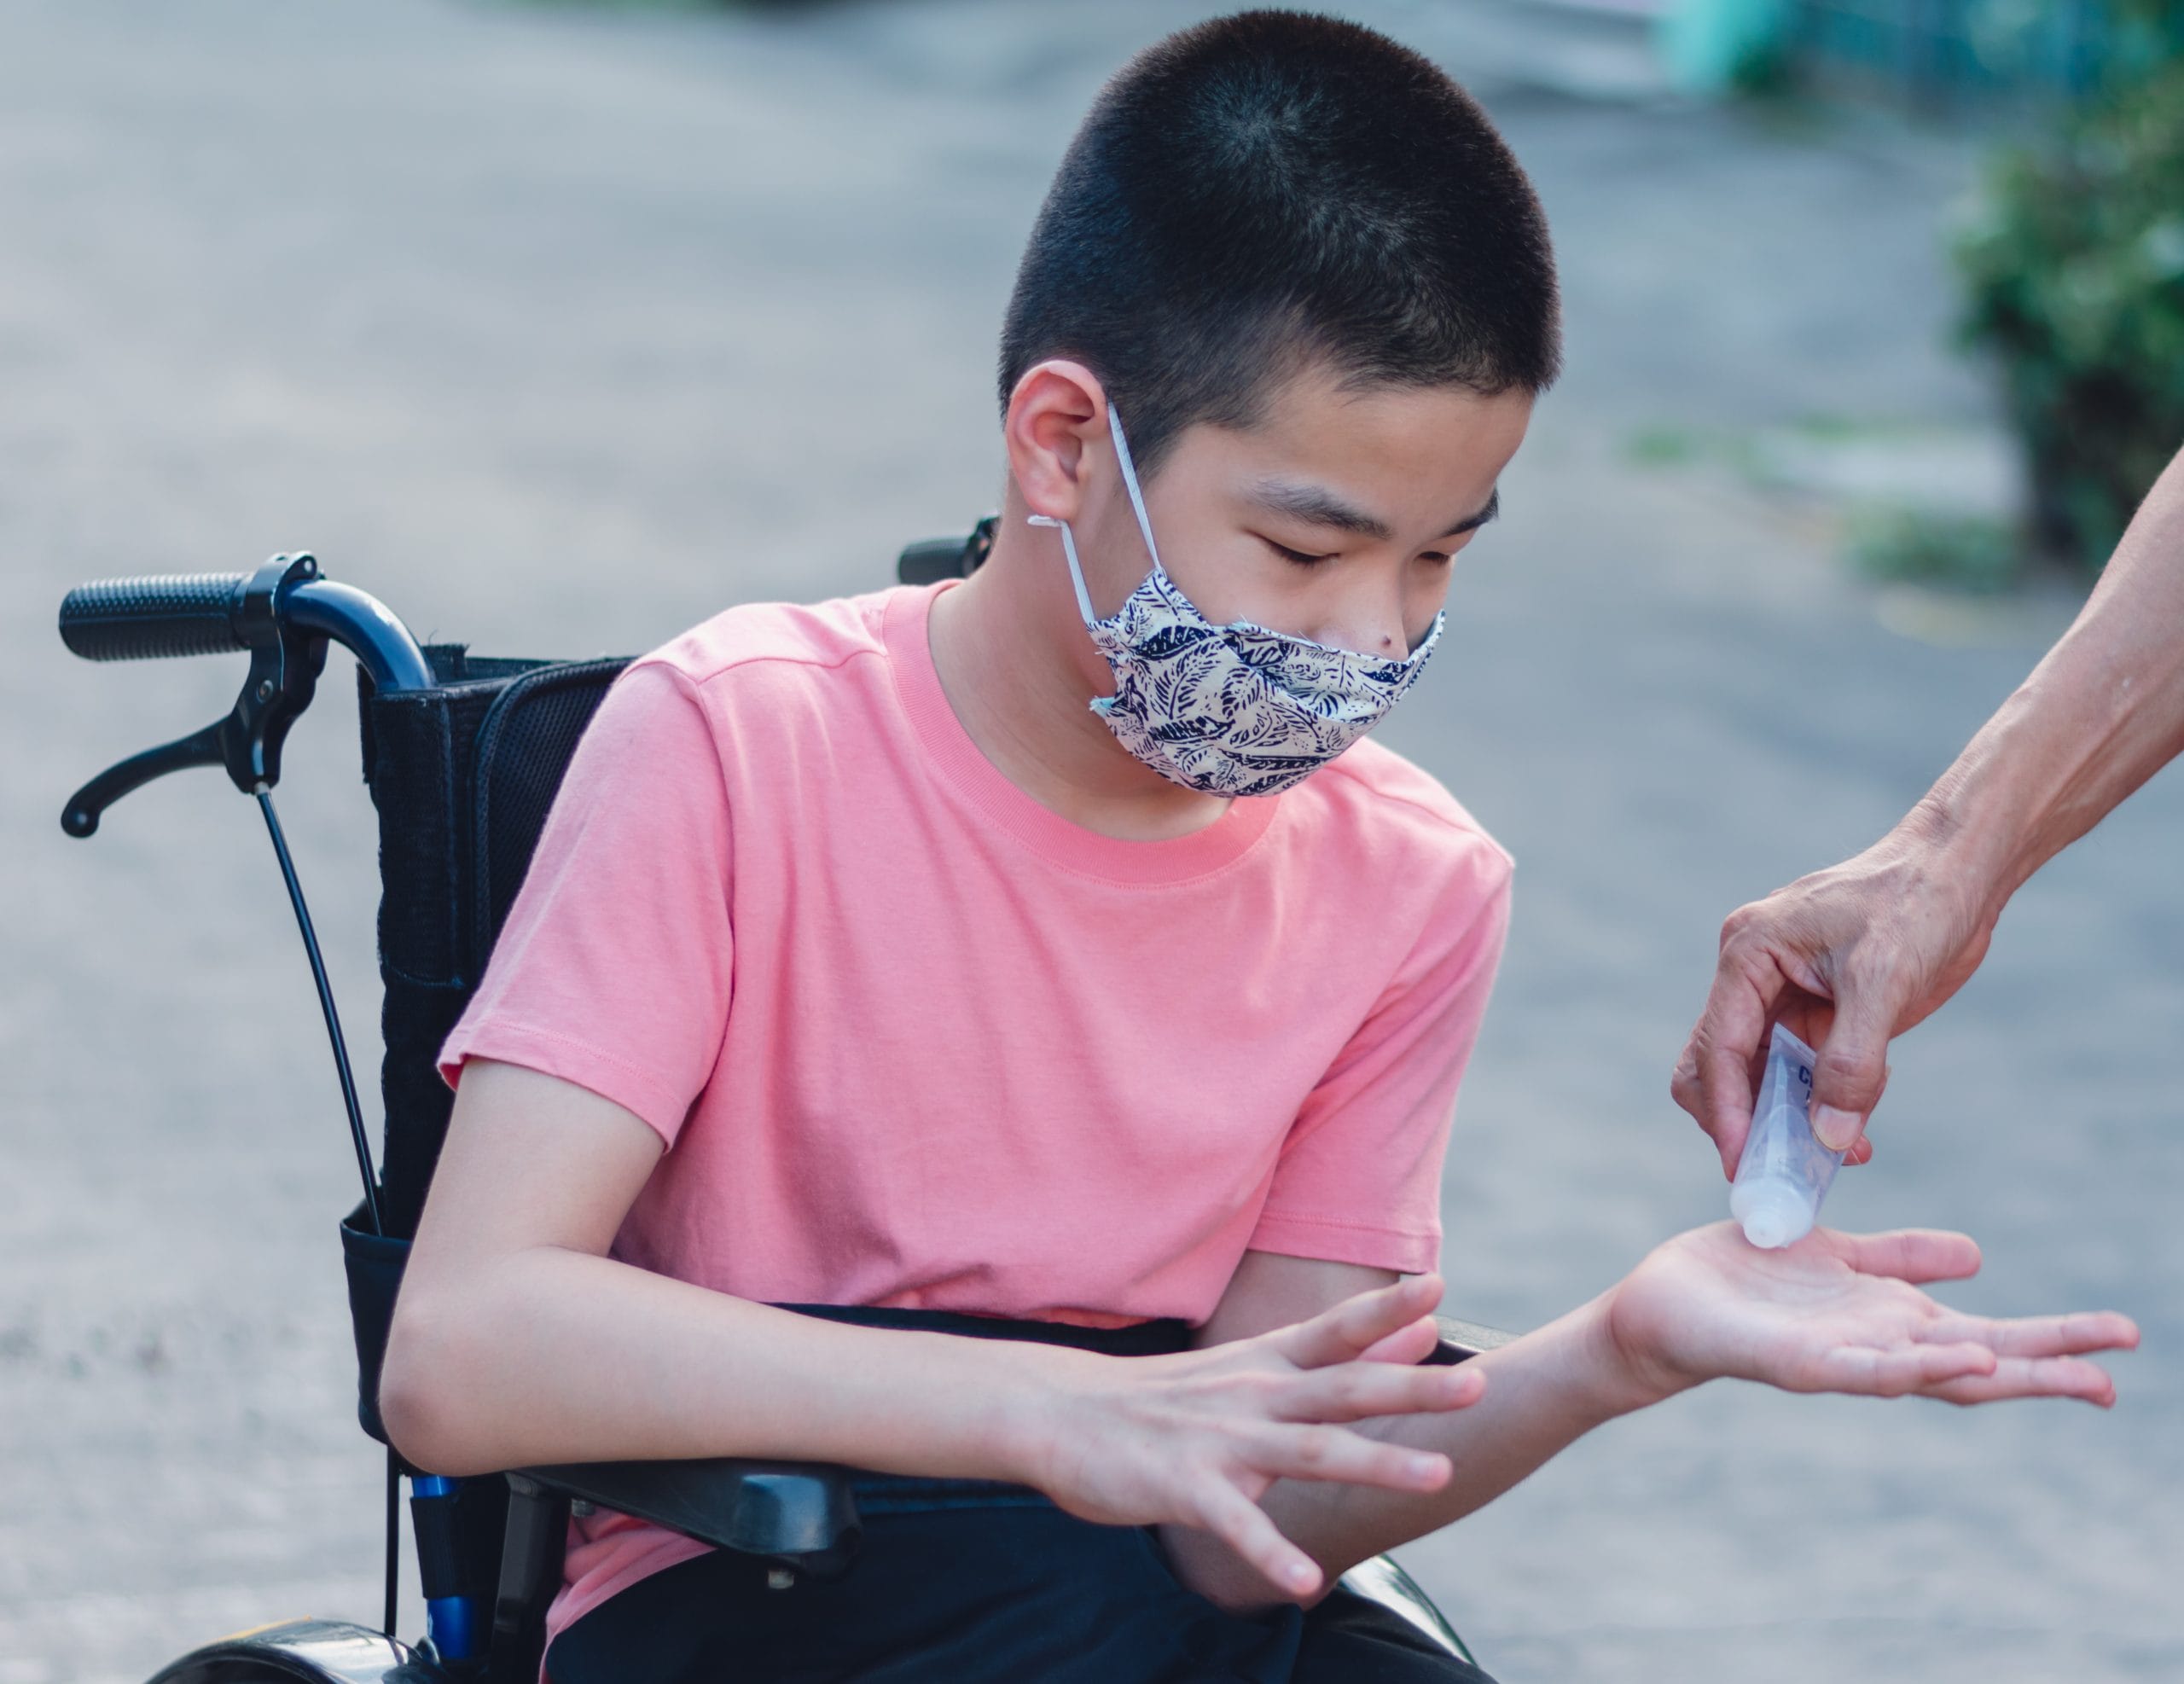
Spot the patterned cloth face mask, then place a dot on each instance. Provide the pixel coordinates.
(1227, 710)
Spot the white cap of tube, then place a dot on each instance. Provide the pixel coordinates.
(1775, 1213)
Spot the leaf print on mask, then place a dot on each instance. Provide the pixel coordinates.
(1203, 728)
(1173, 640)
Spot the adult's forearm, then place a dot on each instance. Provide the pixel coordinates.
(2099, 715)
(1543, 1393)
(553, 1356)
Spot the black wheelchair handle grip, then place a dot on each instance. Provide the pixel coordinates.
(148, 618)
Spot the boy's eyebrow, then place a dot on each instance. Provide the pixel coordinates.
(1471, 523)
(1322, 508)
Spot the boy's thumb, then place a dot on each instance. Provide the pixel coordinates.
(1851, 1070)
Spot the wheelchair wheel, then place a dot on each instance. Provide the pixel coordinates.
(303, 1652)
(1381, 1580)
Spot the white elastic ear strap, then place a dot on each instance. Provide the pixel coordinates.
(1068, 548)
(1129, 479)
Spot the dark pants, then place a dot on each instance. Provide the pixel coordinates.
(963, 1581)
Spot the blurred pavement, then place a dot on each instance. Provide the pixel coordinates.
(558, 330)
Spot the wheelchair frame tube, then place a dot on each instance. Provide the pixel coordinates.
(454, 1624)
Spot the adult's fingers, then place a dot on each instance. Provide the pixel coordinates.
(1913, 1254)
(1713, 1080)
(1353, 1391)
(1852, 1066)
(2031, 1377)
(1358, 1322)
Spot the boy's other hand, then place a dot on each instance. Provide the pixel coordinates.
(1196, 1438)
(1849, 958)
(1840, 1312)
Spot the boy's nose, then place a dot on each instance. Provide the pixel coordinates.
(1373, 629)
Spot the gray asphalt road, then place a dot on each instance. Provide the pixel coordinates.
(558, 330)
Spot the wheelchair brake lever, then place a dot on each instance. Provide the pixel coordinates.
(87, 804)
(285, 662)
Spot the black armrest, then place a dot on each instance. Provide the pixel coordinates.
(799, 1513)
(1460, 1341)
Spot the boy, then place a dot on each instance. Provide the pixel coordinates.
(1046, 957)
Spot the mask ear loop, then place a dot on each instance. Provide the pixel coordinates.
(1076, 573)
(1136, 503)
(1129, 482)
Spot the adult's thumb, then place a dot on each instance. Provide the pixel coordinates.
(1852, 1068)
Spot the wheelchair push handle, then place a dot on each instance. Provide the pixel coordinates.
(148, 618)
(288, 602)
(283, 615)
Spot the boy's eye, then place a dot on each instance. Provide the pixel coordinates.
(1300, 557)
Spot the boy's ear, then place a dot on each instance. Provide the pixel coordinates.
(1057, 409)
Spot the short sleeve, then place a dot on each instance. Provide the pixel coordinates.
(1359, 1178)
(613, 967)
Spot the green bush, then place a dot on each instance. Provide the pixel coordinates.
(2074, 266)
(1958, 552)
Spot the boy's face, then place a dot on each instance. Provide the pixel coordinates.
(1336, 517)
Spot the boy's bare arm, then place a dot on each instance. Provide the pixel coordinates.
(517, 1341)
(1836, 1313)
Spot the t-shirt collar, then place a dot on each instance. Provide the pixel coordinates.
(963, 765)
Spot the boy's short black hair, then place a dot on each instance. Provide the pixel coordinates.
(1273, 188)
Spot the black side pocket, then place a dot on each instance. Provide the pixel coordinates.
(373, 1264)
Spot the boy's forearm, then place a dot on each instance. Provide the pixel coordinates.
(555, 1355)
(2101, 714)
(1543, 1393)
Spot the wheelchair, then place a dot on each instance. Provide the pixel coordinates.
(462, 754)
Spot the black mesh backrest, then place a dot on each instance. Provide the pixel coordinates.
(524, 747)
(463, 775)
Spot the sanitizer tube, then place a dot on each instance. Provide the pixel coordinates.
(1784, 1172)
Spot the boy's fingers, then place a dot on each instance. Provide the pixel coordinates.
(1358, 1323)
(1913, 1254)
(1413, 1342)
(1243, 1525)
(1355, 1391)
(2031, 1377)
(1335, 1453)
(1890, 1373)
(2037, 1336)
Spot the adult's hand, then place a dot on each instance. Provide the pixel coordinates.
(1855, 954)
(1849, 958)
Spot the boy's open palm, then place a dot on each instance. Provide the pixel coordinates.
(1195, 1438)
(1841, 1312)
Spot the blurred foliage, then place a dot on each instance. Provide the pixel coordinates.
(2074, 270)
(1917, 546)
(1661, 445)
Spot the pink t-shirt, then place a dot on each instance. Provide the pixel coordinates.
(912, 1039)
